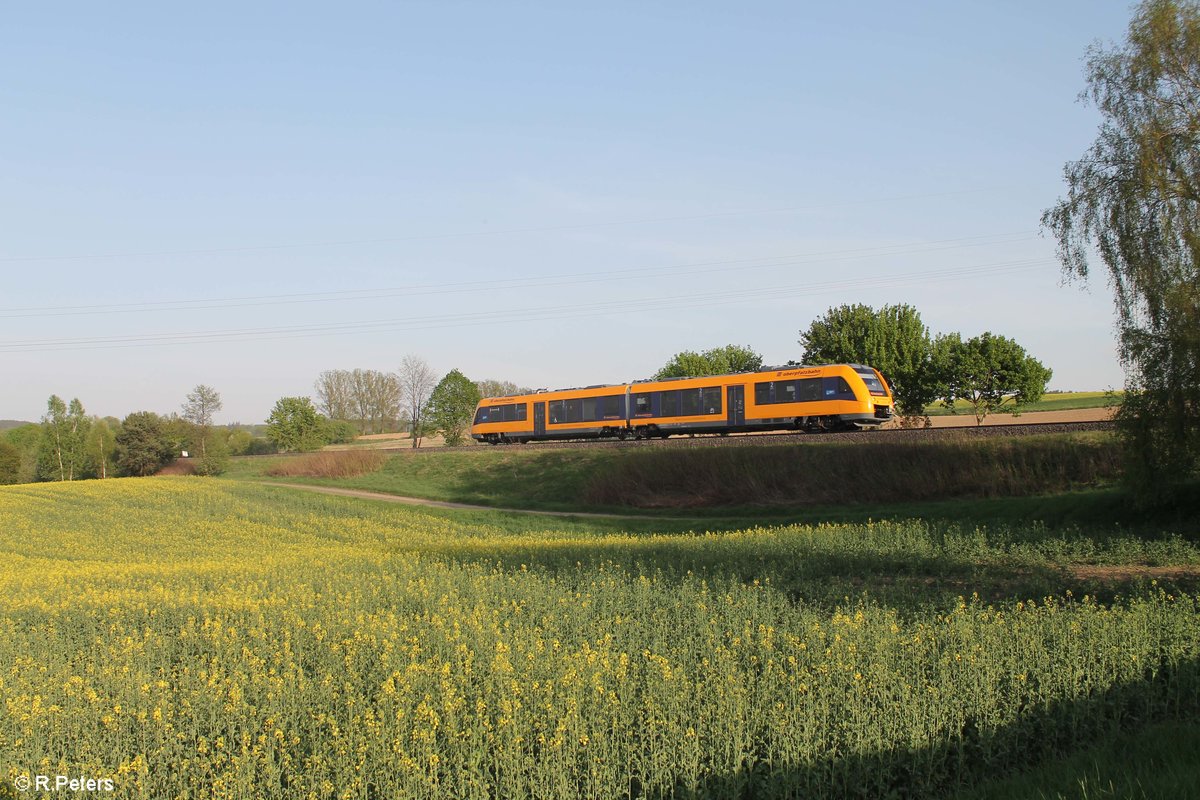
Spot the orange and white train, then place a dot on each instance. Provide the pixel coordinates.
(823, 398)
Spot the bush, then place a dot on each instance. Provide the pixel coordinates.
(10, 463)
(340, 431)
(332, 464)
(260, 446)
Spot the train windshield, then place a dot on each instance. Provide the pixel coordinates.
(874, 385)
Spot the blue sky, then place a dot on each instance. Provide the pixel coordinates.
(553, 194)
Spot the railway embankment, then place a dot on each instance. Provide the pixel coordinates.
(879, 471)
(715, 474)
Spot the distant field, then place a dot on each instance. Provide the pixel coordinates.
(201, 638)
(1059, 401)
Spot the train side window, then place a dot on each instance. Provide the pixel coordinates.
(557, 411)
(762, 393)
(711, 400)
(785, 391)
(670, 404)
(836, 387)
(690, 405)
(809, 390)
(589, 410)
(573, 410)
(481, 415)
(610, 407)
(642, 406)
(522, 412)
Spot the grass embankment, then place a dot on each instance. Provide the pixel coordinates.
(203, 638)
(741, 480)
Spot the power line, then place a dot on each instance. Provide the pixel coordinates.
(504, 232)
(570, 279)
(506, 316)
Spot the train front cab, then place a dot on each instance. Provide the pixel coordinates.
(837, 397)
(503, 419)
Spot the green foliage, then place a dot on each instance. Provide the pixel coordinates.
(28, 440)
(102, 446)
(451, 405)
(237, 442)
(1134, 197)
(63, 452)
(988, 372)
(143, 446)
(214, 459)
(893, 340)
(10, 463)
(201, 404)
(294, 425)
(180, 435)
(261, 446)
(341, 431)
(717, 361)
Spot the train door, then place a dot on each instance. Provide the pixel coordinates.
(539, 419)
(735, 402)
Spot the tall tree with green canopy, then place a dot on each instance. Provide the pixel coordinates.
(1134, 197)
(893, 340)
(991, 373)
(199, 408)
(294, 424)
(102, 445)
(142, 444)
(63, 454)
(717, 361)
(451, 406)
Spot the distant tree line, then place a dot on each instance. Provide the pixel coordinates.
(352, 402)
(69, 444)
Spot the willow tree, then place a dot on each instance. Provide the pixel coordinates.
(1134, 199)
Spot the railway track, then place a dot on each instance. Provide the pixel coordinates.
(769, 439)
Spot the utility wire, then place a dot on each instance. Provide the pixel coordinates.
(503, 316)
(570, 279)
(503, 232)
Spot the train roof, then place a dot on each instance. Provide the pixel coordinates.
(855, 367)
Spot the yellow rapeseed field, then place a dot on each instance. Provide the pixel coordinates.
(189, 638)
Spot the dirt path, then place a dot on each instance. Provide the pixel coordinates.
(962, 420)
(420, 501)
(1121, 574)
